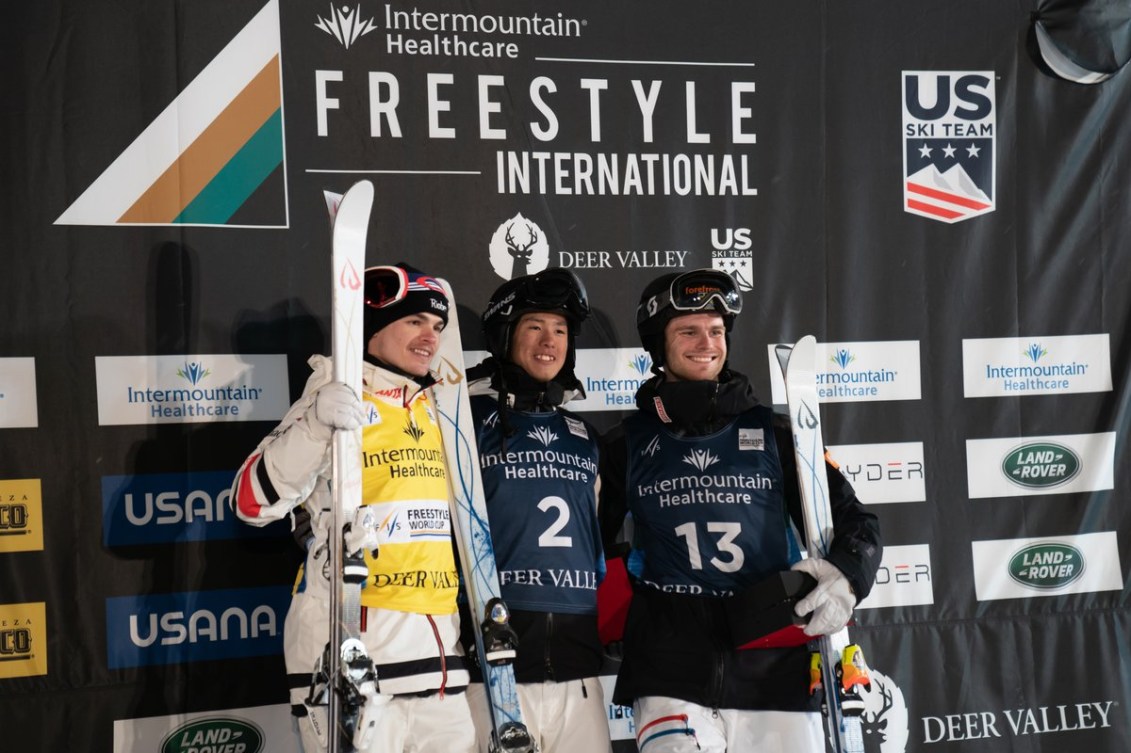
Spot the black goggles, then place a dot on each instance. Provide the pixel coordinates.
(555, 289)
(695, 291)
(385, 286)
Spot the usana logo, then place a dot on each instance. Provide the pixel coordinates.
(1041, 464)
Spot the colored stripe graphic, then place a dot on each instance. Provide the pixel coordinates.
(208, 151)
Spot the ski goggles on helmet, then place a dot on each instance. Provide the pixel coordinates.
(555, 289)
(385, 286)
(693, 291)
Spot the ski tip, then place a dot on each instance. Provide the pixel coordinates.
(333, 201)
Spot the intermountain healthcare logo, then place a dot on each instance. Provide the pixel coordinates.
(209, 151)
(345, 24)
(21, 515)
(1050, 566)
(254, 729)
(191, 388)
(177, 628)
(1011, 366)
(164, 508)
(23, 640)
(948, 144)
(859, 372)
(1028, 466)
(18, 404)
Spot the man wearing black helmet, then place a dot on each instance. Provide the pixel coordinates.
(709, 478)
(539, 464)
(409, 620)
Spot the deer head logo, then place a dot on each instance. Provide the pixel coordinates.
(519, 248)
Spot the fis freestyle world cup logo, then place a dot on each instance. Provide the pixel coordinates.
(949, 135)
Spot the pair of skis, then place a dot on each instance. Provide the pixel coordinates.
(837, 666)
(353, 703)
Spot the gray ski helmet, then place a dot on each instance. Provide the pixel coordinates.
(555, 290)
(679, 293)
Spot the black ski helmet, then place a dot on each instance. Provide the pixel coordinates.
(555, 290)
(679, 293)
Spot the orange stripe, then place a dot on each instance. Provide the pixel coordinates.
(204, 158)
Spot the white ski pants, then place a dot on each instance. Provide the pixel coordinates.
(562, 717)
(670, 725)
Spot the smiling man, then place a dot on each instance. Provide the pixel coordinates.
(708, 475)
(539, 464)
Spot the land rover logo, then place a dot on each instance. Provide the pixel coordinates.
(214, 735)
(1048, 565)
(1040, 464)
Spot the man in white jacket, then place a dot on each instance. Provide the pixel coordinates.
(410, 624)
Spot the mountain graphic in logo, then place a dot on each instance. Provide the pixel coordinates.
(1035, 352)
(542, 434)
(950, 196)
(193, 373)
(412, 430)
(214, 147)
(701, 459)
(641, 364)
(345, 24)
(842, 358)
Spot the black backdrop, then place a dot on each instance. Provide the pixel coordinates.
(976, 350)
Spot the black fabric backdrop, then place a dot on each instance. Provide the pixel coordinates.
(831, 252)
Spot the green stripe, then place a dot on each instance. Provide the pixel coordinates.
(238, 179)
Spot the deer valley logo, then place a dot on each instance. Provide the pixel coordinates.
(732, 254)
(948, 139)
(884, 721)
(542, 434)
(701, 459)
(345, 24)
(1047, 566)
(1041, 464)
(215, 735)
(519, 248)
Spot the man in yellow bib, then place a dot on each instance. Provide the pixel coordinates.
(410, 625)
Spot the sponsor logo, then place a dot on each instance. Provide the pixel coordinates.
(21, 515)
(732, 254)
(407, 520)
(191, 389)
(23, 640)
(518, 248)
(218, 734)
(859, 372)
(701, 459)
(542, 434)
(180, 628)
(18, 402)
(1032, 568)
(884, 473)
(345, 24)
(1017, 722)
(163, 508)
(885, 722)
(1010, 366)
(1040, 464)
(412, 430)
(612, 377)
(217, 144)
(622, 725)
(216, 731)
(903, 579)
(1028, 466)
(948, 144)
(1047, 565)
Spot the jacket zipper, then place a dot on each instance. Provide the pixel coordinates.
(549, 635)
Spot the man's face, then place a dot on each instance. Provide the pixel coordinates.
(695, 347)
(539, 344)
(409, 343)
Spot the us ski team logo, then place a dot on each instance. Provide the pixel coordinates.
(949, 137)
(209, 151)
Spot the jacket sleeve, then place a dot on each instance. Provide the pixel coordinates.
(613, 504)
(288, 464)
(856, 548)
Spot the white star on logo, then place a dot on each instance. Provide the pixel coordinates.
(949, 151)
(925, 151)
(973, 150)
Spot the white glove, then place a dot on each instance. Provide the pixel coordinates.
(362, 533)
(831, 600)
(335, 406)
